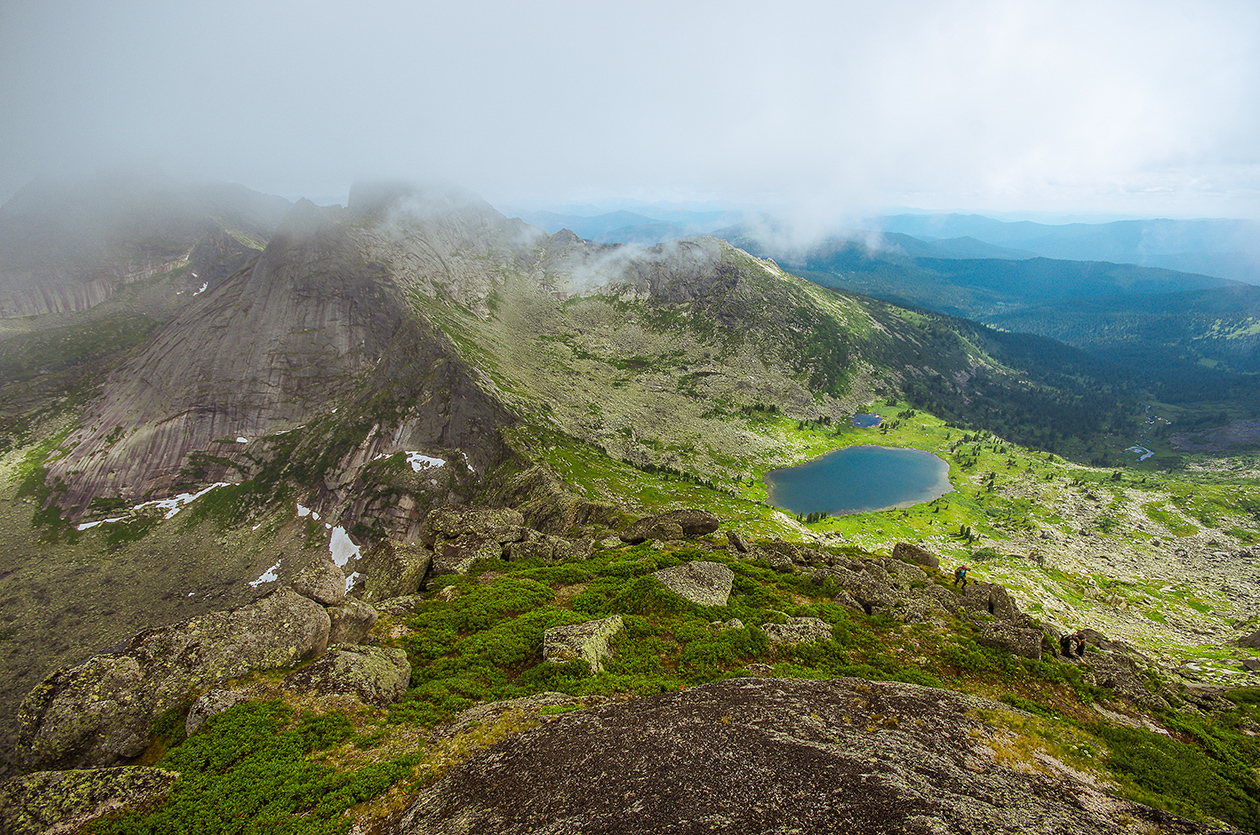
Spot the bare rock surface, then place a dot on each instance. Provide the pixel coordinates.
(706, 583)
(350, 622)
(101, 712)
(63, 801)
(588, 641)
(763, 755)
(392, 569)
(375, 675)
(212, 703)
(797, 631)
(676, 524)
(916, 554)
(321, 581)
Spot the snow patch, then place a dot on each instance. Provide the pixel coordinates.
(417, 460)
(175, 504)
(268, 576)
(86, 525)
(303, 512)
(342, 547)
(242, 440)
(354, 575)
(200, 289)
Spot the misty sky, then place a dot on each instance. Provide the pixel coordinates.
(835, 108)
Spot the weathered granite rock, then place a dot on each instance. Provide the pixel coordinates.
(588, 641)
(760, 755)
(350, 622)
(706, 583)
(399, 605)
(778, 555)
(500, 524)
(458, 556)
(843, 598)
(550, 549)
(211, 703)
(321, 581)
(1252, 640)
(1003, 635)
(392, 569)
(797, 631)
(650, 527)
(903, 575)
(102, 711)
(737, 542)
(692, 521)
(548, 506)
(48, 802)
(915, 554)
(870, 594)
(375, 675)
(1124, 676)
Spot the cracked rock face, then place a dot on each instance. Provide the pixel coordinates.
(769, 755)
(706, 583)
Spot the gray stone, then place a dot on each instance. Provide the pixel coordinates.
(101, 711)
(737, 542)
(588, 641)
(903, 575)
(1024, 642)
(797, 631)
(866, 590)
(778, 555)
(399, 606)
(1252, 640)
(458, 556)
(693, 522)
(1251, 664)
(650, 528)
(374, 675)
(762, 755)
(321, 581)
(706, 583)
(49, 802)
(211, 703)
(350, 622)
(392, 569)
(500, 524)
(916, 554)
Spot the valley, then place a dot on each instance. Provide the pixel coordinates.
(417, 351)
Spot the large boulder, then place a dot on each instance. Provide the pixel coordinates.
(101, 712)
(501, 524)
(758, 755)
(1013, 639)
(392, 569)
(375, 675)
(797, 631)
(350, 622)
(913, 553)
(706, 583)
(589, 641)
(49, 802)
(458, 556)
(211, 703)
(676, 524)
(321, 581)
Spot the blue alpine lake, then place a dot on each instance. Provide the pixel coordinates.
(860, 479)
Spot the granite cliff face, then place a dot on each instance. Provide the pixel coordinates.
(68, 246)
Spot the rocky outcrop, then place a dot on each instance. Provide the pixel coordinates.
(101, 711)
(211, 703)
(906, 552)
(391, 569)
(1013, 639)
(350, 621)
(321, 581)
(677, 524)
(374, 675)
(550, 549)
(50, 802)
(773, 755)
(705, 583)
(463, 536)
(547, 506)
(588, 641)
(797, 631)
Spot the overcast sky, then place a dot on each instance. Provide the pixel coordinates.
(1138, 108)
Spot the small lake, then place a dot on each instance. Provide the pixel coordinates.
(860, 479)
(863, 421)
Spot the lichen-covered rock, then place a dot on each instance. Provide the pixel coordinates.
(1013, 639)
(706, 583)
(101, 711)
(49, 802)
(1252, 640)
(759, 755)
(399, 605)
(392, 569)
(501, 524)
(549, 549)
(778, 555)
(650, 527)
(1125, 677)
(797, 631)
(458, 556)
(866, 590)
(903, 575)
(913, 553)
(588, 641)
(375, 675)
(737, 542)
(321, 581)
(547, 506)
(350, 622)
(692, 521)
(211, 703)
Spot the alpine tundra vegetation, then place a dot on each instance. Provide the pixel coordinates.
(410, 517)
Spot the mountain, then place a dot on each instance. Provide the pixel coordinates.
(302, 538)
(67, 246)
(1221, 248)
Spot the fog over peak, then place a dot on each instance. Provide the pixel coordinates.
(821, 110)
